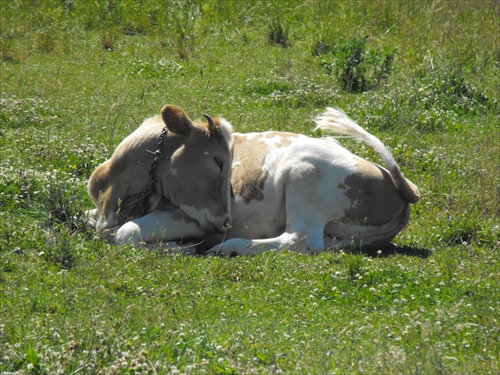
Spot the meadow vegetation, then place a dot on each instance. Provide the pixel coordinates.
(78, 76)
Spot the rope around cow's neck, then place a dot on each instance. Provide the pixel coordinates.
(152, 173)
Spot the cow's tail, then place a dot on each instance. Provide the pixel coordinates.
(336, 121)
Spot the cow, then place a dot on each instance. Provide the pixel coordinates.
(290, 191)
(169, 164)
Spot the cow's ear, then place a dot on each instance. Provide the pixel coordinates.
(177, 120)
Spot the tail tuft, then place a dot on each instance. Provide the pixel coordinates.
(336, 121)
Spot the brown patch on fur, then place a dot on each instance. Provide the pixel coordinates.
(285, 138)
(408, 188)
(373, 194)
(176, 120)
(248, 178)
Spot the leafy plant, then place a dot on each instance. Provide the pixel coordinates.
(33, 361)
(63, 205)
(354, 266)
(357, 68)
(185, 17)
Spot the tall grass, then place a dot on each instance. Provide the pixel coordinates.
(77, 77)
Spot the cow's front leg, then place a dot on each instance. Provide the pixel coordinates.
(91, 217)
(158, 226)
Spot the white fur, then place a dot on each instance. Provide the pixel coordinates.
(227, 130)
(336, 121)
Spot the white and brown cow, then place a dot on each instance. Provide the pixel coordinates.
(295, 192)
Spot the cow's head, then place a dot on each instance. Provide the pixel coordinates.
(200, 168)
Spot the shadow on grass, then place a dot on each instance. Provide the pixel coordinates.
(393, 249)
(389, 250)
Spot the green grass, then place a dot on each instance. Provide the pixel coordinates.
(77, 77)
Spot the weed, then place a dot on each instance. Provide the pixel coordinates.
(321, 48)
(160, 68)
(108, 39)
(44, 41)
(7, 53)
(465, 231)
(60, 248)
(185, 17)
(449, 88)
(357, 68)
(282, 92)
(279, 34)
(354, 266)
(25, 112)
(33, 361)
(63, 206)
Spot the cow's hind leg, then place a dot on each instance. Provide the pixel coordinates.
(304, 230)
(295, 240)
(351, 235)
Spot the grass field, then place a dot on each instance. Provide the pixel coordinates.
(78, 76)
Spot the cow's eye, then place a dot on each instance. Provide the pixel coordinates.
(220, 163)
